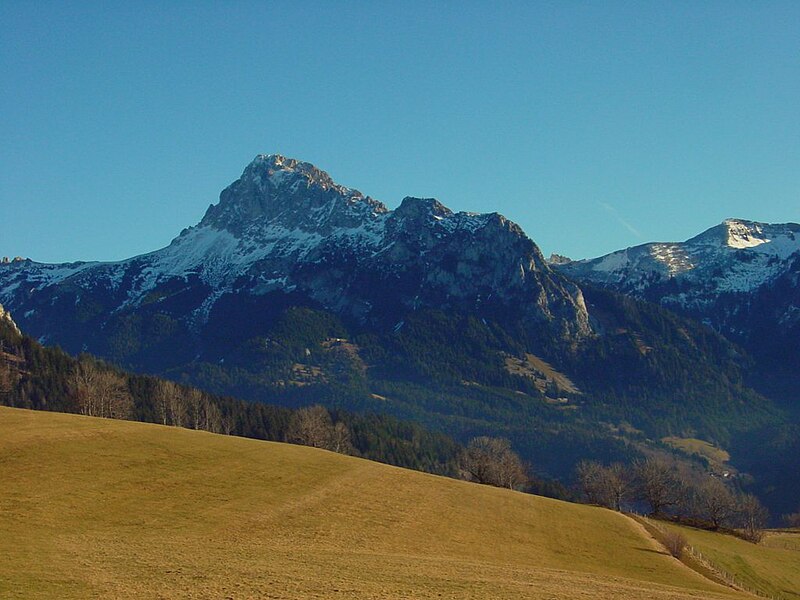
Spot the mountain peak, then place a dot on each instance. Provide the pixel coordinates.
(274, 189)
(279, 168)
(415, 207)
(739, 234)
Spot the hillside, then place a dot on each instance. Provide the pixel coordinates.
(102, 508)
(740, 277)
(771, 568)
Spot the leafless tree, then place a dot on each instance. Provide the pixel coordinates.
(228, 424)
(618, 484)
(658, 484)
(212, 420)
(792, 519)
(491, 461)
(194, 404)
(752, 518)
(84, 382)
(715, 502)
(675, 543)
(310, 426)
(603, 485)
(117, 399)
(176, 404)
(340, 439)
(101, 393)
(589, 477)
(313, 426)
(165, 394)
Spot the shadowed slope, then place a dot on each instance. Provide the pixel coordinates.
(98, 508)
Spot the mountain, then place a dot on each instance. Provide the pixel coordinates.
(735, 257)
(286, 226)
(295, 290)
(741, 278)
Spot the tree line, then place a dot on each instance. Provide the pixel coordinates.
(652, 482)
(657, 484)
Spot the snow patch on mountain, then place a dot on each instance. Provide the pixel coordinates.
(736, 257)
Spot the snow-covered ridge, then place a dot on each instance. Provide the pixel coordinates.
(281, 216)
(738, 234)
(735, 256)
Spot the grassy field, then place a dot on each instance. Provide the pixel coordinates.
(788, 539)
(716, 456)
(93, 508)
(771, 568)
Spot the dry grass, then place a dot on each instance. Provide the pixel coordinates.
(92, 508)
(787, 539)
(716, 456)
(540, 372)
(771, 568)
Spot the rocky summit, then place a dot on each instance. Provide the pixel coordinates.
(286, 227)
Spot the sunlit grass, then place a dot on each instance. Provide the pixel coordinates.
(771, 567)
(111, 509)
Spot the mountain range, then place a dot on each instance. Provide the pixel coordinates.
(286, 226)
(294, 289)
(741, 278)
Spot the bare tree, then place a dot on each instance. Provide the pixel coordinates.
(618, 484)
(603, 485)
(194, 403)
(115, 397)
(340, 439)
(715, 502)
(658, 484)
(675, 543)
(176, 404)
(752, 518)
(164, 395)
(84, 383)
(228, 424)
(101, 393)
(491, 461)
(310, 426)
(313, 426)
(213, 416)
(792, 519)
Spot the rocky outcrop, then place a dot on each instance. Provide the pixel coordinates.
(5, 317)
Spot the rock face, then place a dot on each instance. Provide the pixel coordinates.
(5, 317)
(286, 227)
(740, 277)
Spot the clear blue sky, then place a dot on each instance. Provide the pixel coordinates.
(594, 125)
